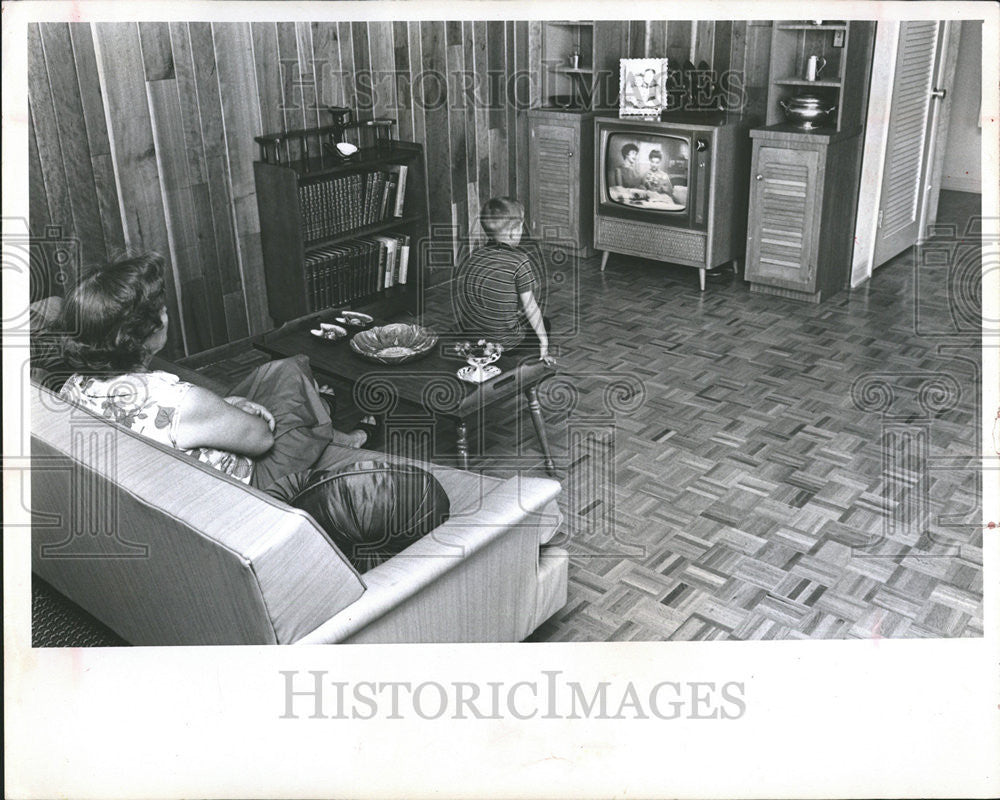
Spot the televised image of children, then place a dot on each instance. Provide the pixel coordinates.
(637, 173)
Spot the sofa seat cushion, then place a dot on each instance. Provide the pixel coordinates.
(373, 510)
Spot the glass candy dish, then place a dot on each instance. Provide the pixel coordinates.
(396, 343)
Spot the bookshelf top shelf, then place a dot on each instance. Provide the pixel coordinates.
(571, 23)
(364, 160)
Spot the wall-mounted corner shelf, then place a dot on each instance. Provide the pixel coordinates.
(806, 26)
(802, 82)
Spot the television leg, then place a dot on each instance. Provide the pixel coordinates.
(736, 266)
(604, 259)
(701, 277)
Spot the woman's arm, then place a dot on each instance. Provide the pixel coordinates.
(206, 420)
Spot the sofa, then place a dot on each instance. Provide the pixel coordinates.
(165, 550)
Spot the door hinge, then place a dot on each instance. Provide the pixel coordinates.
(880, 218)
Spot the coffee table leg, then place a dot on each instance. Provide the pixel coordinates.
(462, 443)
(536, 417)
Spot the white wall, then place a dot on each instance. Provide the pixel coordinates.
(962, 161)
(873, 155)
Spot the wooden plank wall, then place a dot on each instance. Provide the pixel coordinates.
(142, 133)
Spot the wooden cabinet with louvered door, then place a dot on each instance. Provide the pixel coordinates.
(803, 192)
(805, 177)
(560, 179)
(781, 243)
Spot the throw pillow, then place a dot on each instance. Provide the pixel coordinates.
(373, 510)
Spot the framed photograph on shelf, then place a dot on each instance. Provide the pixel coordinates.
(642, 89)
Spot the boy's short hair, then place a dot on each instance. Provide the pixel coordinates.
(497, 214)
(655, 154)
(629, 148)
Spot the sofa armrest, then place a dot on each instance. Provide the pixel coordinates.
(473, 578)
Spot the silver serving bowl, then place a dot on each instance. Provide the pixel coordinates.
(806, 111)
(395, 343)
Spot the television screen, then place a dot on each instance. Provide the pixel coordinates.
(647, 171)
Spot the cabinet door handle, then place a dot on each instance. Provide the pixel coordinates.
(760, 177)
(570, 154)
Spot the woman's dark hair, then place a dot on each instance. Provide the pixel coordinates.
(629, 148)
(109, 316)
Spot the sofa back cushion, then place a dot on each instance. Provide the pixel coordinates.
(166, 551)
(373, 510)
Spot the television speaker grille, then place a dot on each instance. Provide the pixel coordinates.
(650, 241)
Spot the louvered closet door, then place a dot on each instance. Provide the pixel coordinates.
(783, 227)
(555, 178)
(906, 153)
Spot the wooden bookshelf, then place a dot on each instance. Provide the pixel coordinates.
(319, 219)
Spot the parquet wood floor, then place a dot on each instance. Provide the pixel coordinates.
(740, 466)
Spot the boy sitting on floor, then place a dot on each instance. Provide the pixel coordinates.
(496, 287)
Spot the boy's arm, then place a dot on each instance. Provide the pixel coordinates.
(534, 315)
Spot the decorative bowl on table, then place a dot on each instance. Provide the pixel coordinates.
(395, 343)
(480, 357)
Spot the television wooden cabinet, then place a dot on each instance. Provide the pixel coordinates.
(709, 154)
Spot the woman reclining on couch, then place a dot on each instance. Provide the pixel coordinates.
(274, 425)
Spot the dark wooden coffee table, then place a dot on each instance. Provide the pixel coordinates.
(429, 382)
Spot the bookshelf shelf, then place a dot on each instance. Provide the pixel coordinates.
(340, 232)
(366, 230)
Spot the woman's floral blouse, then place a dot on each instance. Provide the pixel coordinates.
(148, 403)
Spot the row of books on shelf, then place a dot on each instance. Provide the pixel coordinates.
(343, 203)
(342, 273)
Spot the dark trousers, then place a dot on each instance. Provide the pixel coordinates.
(303, 428)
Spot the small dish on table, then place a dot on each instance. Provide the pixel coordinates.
(329, 331)
(354, 320)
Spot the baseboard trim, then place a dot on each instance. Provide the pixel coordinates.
(959, 184)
